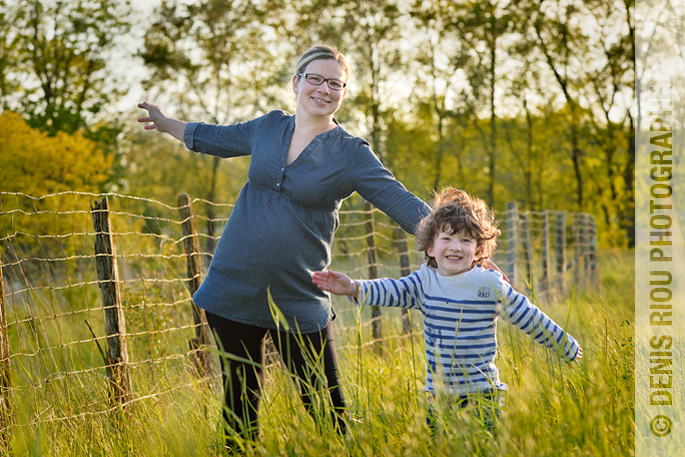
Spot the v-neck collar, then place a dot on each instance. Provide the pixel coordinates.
(318, 138)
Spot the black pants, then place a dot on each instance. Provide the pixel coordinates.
(243, 380)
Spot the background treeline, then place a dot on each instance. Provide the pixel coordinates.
(525, 101)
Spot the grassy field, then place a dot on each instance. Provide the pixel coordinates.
(551, 409)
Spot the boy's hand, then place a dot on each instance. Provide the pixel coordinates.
(578, 357)
(334, 282)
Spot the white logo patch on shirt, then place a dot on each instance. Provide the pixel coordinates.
(484, 292)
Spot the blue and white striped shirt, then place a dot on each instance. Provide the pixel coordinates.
(460, 323)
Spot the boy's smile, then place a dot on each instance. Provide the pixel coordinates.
(453, 252)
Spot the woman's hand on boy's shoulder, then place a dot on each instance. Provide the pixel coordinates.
(490, 265)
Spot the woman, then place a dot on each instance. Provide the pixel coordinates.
(281, 229)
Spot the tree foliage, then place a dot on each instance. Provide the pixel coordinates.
(214, 59)
(526, 101)
(61, 61)
(36, 163)
(57, 69)
(218, 63)
(9, 50)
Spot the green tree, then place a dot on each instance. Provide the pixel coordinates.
(215, 61)
(593, 70)
(440, 61)
(526, 125)
(487, 23)
(371, 32)
(9, 48)
(56, 67)
(555, 29)
(35, 163)
(410, 138)
(62, 64)
(614, 132)
(466, 43)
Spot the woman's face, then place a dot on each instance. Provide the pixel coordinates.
(320, 100)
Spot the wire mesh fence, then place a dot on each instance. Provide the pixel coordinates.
(58, 345)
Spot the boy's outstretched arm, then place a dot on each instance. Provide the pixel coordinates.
(335, 283)
(518, 310)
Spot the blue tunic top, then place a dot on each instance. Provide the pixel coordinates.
(281, 227)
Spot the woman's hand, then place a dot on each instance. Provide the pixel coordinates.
(161, 122)
(490, 265)
(335, 283)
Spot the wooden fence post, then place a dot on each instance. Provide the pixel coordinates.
(592, 251)
(108, 275)
(546, 261)
(576, 250)
(584, 252)
(512, 242)
(376, 323)
(202, 359)
(527, 251)
(5, 374)
(560, 245)
(405, 270)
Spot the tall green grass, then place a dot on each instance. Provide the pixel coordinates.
(551, 409)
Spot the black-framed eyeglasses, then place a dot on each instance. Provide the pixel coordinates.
(317, 80)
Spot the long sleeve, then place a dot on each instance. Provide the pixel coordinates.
(520, 312)
(222, 140)
(376, 184)
(404, 293)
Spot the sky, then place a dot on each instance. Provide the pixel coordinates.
(131, 70)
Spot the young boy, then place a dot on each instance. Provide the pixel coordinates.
(459, 299)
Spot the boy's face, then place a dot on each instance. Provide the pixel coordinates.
(453, 252)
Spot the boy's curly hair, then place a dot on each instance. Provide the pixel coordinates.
(455, 210)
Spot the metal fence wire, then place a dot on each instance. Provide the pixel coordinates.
(75, 343)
